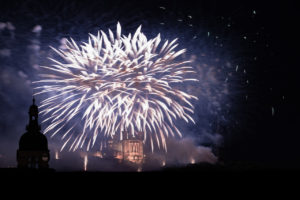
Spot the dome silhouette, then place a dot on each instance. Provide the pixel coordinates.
(33, 145)
(33, 142)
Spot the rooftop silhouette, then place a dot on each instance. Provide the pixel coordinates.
(33, 149)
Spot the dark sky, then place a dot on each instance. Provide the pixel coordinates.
(258, 36)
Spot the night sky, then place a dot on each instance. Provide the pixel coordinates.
(247, 114)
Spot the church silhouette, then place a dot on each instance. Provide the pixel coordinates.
(33, 149)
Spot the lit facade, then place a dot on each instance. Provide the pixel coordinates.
(129, 150)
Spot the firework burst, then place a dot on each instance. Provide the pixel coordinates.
(115, 83)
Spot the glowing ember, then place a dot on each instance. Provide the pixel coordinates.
(139, 169)
(85, 162)
(56, 155)
(192, 161)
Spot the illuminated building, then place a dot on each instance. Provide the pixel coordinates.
(130, 150)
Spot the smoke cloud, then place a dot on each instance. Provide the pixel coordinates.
(181, 152)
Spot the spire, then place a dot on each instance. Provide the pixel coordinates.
(33, 149)
(33, 117)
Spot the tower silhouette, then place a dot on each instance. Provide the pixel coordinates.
(33, 145)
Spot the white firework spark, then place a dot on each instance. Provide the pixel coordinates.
(116, 83)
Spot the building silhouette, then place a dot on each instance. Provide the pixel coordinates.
(33, 145)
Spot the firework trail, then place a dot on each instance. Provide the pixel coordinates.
(116, 83)
(85, 162)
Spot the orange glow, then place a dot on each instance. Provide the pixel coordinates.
(192, 161)
(98, 154)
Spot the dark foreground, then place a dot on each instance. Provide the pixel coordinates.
(201, 180)
(199, 173)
